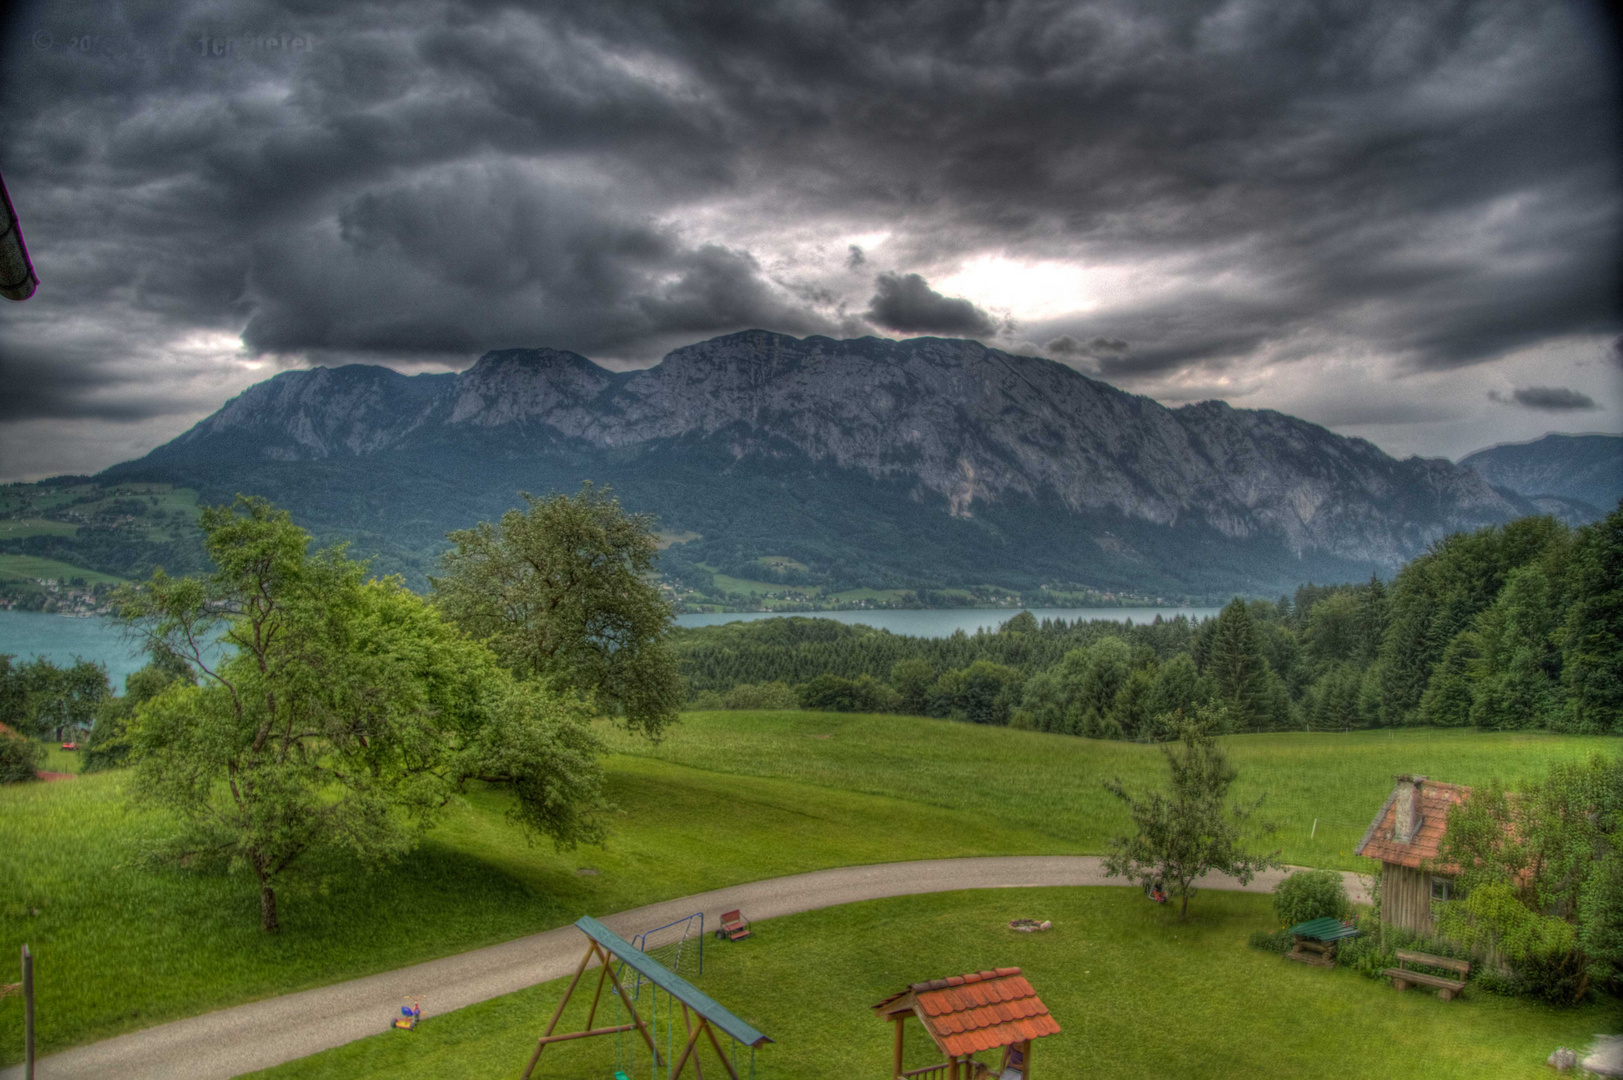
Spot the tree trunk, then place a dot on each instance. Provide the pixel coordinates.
(267, 895)
(1183, 908)
(267, 909)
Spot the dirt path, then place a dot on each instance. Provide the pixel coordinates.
(223, 1044)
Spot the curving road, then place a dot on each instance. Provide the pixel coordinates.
(226, 1043)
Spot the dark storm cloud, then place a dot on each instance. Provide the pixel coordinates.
(1432, 183)
(1096, 347)
(41, 386)
(905, 302)
(483, 256)
(1555, 398)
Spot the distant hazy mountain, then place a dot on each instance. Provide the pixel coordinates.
(927, 462)
(1582, 469)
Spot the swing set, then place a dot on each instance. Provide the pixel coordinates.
(701, 1017)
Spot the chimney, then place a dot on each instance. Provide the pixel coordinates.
(1408, 822)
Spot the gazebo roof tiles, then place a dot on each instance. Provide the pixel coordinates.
(978, 1011)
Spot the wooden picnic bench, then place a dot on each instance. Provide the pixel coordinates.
(1446, 988)
(1314, 941)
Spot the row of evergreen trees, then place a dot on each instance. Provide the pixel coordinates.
(1515, 626)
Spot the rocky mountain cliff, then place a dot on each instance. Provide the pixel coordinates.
(870, 460)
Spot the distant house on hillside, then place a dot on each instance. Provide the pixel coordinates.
(1406, 837)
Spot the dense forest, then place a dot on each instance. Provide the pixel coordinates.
(1514, 626)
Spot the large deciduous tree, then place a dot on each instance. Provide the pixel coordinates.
(1188, 830)
(1541, 877)
(561, 591)
(49, 701)
(341, 713)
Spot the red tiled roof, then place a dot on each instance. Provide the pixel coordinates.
(979, 1011)
(1435, 800)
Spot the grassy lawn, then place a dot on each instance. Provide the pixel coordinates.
(1136, 994)
(121, 947)
(745, 587)
(728, 797)
(1051, 783)
(60, 760)
(28, 567)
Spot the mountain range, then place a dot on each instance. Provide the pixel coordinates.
(1566, 475)
(921, 464)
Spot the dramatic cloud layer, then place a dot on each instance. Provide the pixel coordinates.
(1322, 208)
(906, 302)
(1556, 398)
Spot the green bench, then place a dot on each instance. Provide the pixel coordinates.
(1446, 988)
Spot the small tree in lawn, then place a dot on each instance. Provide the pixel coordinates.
(1186, 831)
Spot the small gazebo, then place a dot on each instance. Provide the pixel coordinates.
(967, 1014)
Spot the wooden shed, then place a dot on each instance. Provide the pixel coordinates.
(968, 1014)
(1406, 836)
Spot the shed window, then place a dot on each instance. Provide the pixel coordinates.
(1439, 888)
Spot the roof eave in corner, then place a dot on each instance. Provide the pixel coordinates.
(1369, 833)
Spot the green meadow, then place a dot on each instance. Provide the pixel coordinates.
(1052, 784)
(1137, 996)
(30, 567)
(121, 946)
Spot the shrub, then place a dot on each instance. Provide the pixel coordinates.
(1376, 949)
(1542, 950)
(767, 695)
(19, 758)
(1274, 941)
(836, 694)
(1311, 894)
(705, 700)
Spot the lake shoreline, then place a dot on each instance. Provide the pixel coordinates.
(61, 638)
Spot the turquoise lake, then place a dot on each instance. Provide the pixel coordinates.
(27, 634)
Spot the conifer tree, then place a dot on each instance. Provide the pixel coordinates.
(1372, 619)
(1239, 672)
(1592, 669)
(1447, 700)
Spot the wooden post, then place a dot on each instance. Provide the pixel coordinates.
(726, 1062)
(897, 1071)
(687, 1025)
(28, 1014)
(602, 976)
(1025, 1067)
(687, 1051)
(591, 950)
(632, 1009)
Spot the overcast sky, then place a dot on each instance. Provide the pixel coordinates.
(1401, 220)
